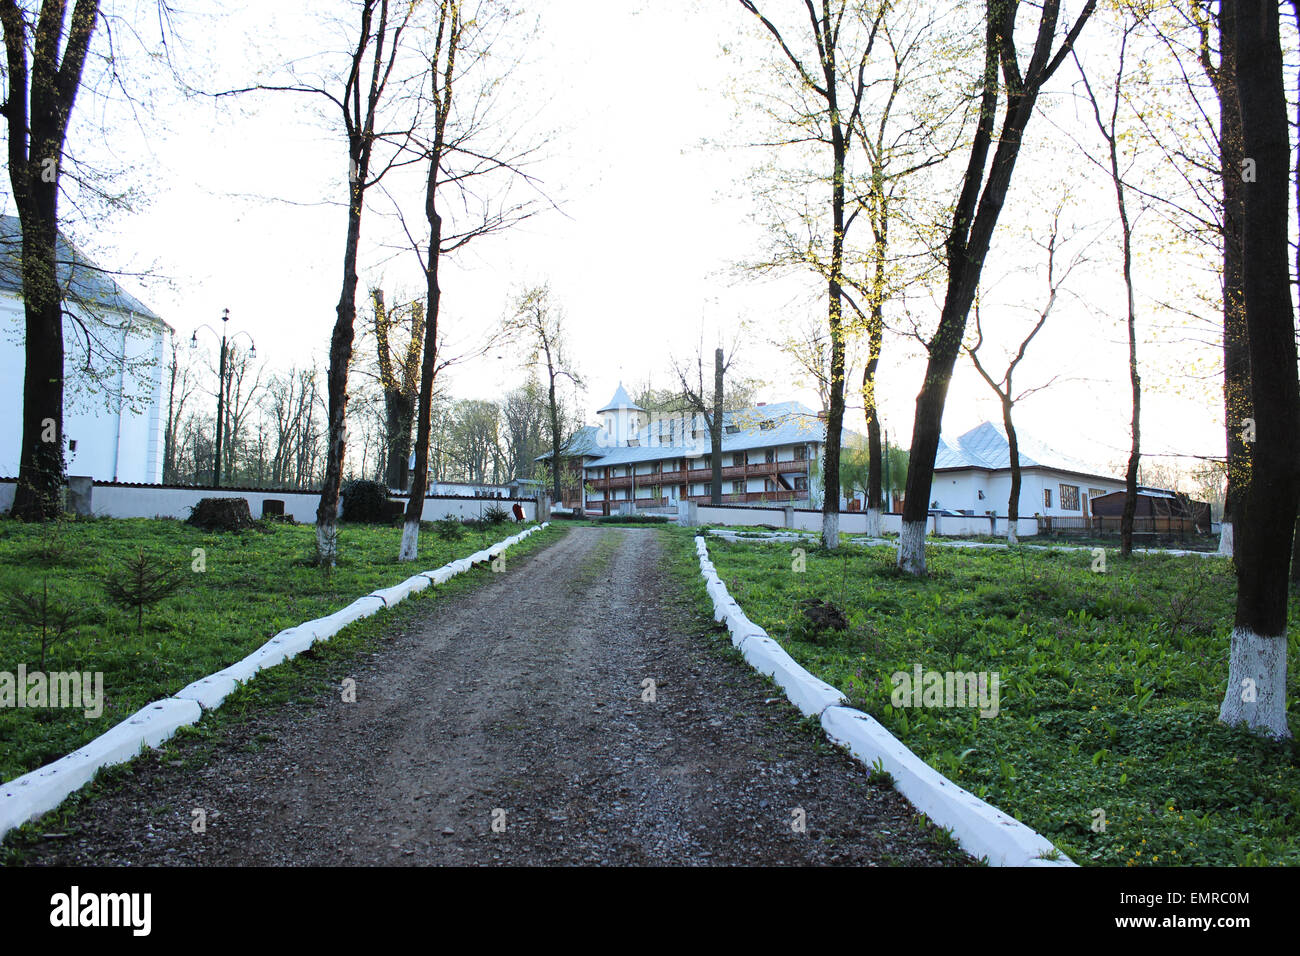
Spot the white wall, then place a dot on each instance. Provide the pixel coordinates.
(117, 501)
(855, 522)
(959, 490)
(116, 440)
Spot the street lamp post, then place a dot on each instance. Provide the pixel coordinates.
(221, 385)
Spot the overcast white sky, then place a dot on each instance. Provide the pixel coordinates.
(641, 253)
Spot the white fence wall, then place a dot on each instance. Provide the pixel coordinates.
(123, 501)
(855, 522)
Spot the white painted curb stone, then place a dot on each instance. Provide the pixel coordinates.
(208, 692)
(980, 828)
(811, 695)
(34, 794)
(40, 791)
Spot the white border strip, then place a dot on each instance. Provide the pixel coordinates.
(34, 794)
(982, 829)
(747, 537)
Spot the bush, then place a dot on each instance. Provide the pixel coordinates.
(364, 502)
(495, 515)
(221, 514)
(448, 528)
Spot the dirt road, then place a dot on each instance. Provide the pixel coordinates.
(508, 726)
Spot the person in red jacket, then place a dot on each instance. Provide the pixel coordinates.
(518, 509)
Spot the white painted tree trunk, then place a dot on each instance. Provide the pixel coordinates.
(873, 522)
(911, 548)
(410, 541)
(831, 530)
(327, 543)
(1256, 694)
(1225, 539)
(1012, 540)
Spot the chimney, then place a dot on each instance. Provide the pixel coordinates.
(761, 404)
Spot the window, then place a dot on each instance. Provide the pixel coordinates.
(766, 425)
(737, 461)
(1069, 497)
(801, 483)
(732, 429)
(1047, 497)
(1095, 493)
(770, 455)
(800, 452)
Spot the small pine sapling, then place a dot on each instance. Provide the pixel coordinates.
(141, 583)
(35, 609)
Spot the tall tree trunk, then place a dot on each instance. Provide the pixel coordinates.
(399, 416)
(975, 217)
(1013, 449)
(40, 96)
(41, 464)
(1265, 524)
(337, 380)
(715, 432)
(835, 414)
(1135, 381)
(875, 341)
(556, 438)
(410, 546)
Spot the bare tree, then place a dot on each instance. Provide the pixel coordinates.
(1003, 387)
(538, 322)
(399, 378)
(1107, 126)
(837, 86)
(974, 219)
(710, 408)
(182, 383)
(459, 156)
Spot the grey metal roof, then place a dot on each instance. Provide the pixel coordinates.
(791, 423)
(83, 282)
(985, 446)
(621, 400)
(583, 443)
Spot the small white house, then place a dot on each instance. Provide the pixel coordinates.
(972, 474)
(114, 414)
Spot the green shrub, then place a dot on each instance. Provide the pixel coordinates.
(448, 528)
(496, 514)
(364, 501)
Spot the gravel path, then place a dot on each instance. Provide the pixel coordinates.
(520, 704)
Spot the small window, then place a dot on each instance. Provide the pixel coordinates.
(801, 483)
(737, 461)
(733, 429)
(770, 455)
(800, 452)
(1069, 497)
(1047, 497)
(767, 425)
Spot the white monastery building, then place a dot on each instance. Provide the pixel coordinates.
(771, 455)
(113, 414)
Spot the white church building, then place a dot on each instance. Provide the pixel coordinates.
(114, 415)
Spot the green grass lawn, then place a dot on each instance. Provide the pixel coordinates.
(255, 584)
(1110, 685)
